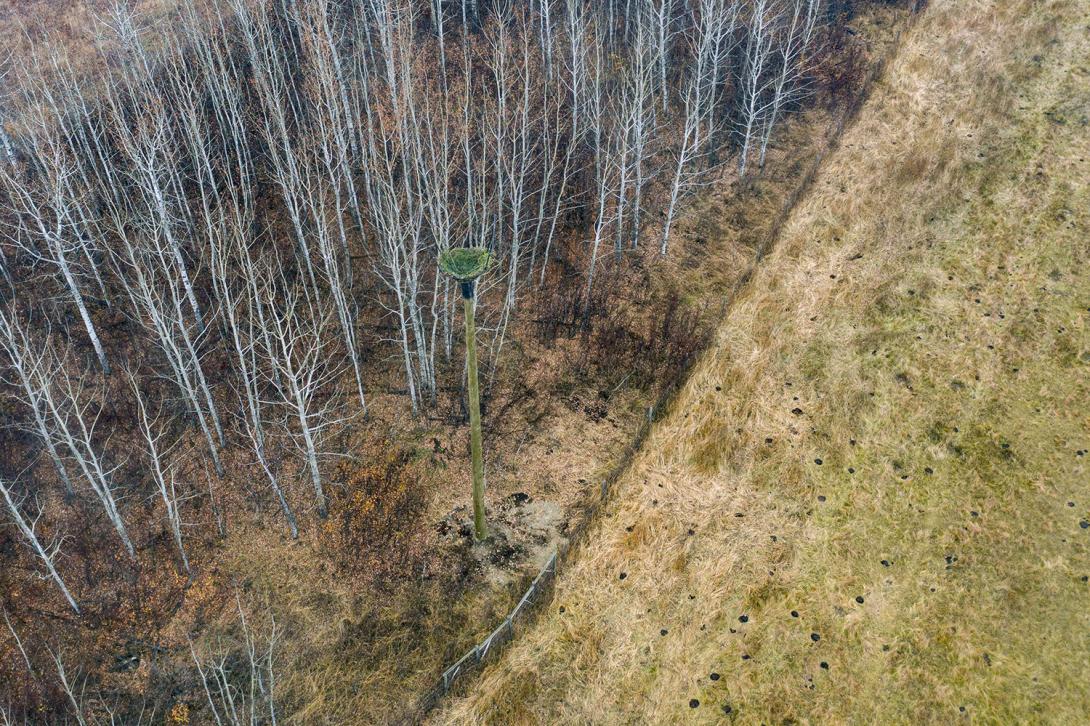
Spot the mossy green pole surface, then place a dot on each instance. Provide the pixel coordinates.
(466, 264)
(479, 529)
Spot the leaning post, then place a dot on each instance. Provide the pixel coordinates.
(466, 264)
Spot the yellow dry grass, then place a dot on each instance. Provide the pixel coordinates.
(893, 411)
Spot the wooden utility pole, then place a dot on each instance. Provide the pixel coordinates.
(479, 529)
(466, 264)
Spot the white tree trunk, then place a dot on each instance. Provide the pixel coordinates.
(44, 554)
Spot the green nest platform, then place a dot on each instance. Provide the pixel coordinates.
(465, 264)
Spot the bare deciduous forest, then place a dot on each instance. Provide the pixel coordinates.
(222, 320)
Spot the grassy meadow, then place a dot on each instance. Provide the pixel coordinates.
(871, 502)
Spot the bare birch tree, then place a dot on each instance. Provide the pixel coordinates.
(69, 688)
(243, 313)
(31, 367)
(246, 695)
(69, 413)
(795, 40)
(755, 80)
(47, 226)
(297, 351)
(45, 552)
(153, 431)
(715, 21)
(157, 291)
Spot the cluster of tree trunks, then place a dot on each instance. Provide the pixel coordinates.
(272, 184)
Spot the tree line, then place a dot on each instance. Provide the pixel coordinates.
(242, 218)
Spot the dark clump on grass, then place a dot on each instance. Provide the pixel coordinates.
(859, 599)
(664, 631)
(694, 703)
(815, 637)
(622, 576)
(824, 666)
(743, 618)
(714, 676)
(794, 613)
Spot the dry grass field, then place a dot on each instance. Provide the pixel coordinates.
(360, 646)
(871, 503)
